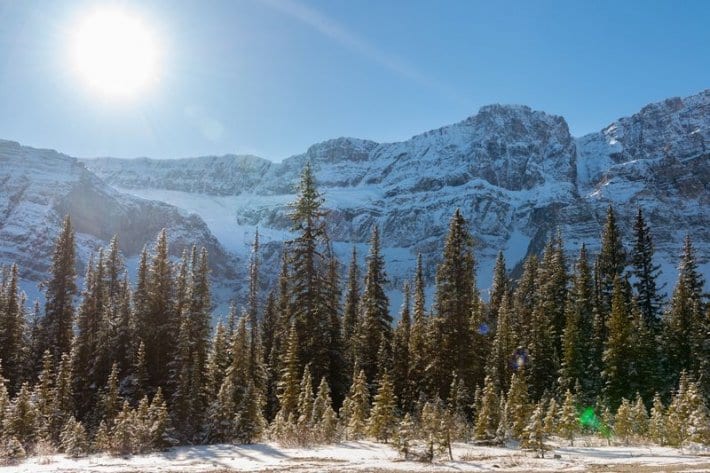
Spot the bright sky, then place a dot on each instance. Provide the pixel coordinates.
(271, 77)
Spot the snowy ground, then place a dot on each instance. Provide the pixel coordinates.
(373, 457)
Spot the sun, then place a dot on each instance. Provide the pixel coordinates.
(115, 53)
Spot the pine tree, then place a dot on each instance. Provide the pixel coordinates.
(351, 312)
(123, 438)
(382, 421)
(159, 324)
(645, 273)
(640, 417)
(12, 329)
(159, 421)
(525, 298)
(403, 436)
(140, 373)
(624, 421)
(568, 424)
(418, 337)
(73, 439)
(309, 294)
(43, 395)
(500, 286)
(21, 418)
(62, 407)
(617, 351)
(551, 421)
(400, 353)
(500, 365)
(455, 287)
(102, 439)
(488, 413)
(657, 421)
(576, 341)
(305, 400)
(324, 419)
(110, 397)
(269, 328)
(4, 397)
(86, 351)
(11, 450)
(684, 330)
(534, 435)
(249, 423)
(357, 406)
(338, 378)
(56, 327)
(611, 261)
(288, 388)
(375, 323)
(518, 404)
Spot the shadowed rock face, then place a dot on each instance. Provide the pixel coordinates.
(516, 174)
(40, 187)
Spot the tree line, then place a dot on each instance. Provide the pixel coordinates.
(587, 344)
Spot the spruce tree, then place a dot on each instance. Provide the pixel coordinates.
(110, 400)
(269, 328)
(500, 363)
(579, 325)
(288, 387)
(517, 404)
(56, 327)
(357, 406)
(611, 261)
(12, 329)
(418, 337)
(375, 323)
(382, 422)
(657, 422)
(62, 404)
(157, 322)
(623, 421)
(534, 435)
(87, 351)
(455, 287)
(640, 416)
(488, 414)
(568, 424)
(249, 423)
(323, 416)
(400, 353)
(73, 439)
(309, 294)
(305, 400)
(351, 312)
(500, 286)
(22, 417)
(645, 273)
(617, 352)
(525, 298)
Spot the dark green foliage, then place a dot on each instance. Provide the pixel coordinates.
(376, 322)
(455, 287)
(56, 326)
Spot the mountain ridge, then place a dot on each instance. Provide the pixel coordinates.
(517, 174)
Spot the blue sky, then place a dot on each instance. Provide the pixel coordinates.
(271, 77)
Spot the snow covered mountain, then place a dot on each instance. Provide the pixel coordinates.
(517, 174)
(39, 187)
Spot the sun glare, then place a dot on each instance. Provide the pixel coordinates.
(115, 53)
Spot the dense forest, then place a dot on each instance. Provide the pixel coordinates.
(579, 344)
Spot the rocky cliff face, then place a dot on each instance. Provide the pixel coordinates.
(517, 175)
(39, 187)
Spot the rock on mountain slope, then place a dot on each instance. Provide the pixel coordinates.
(517, 175)
(39, 187)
